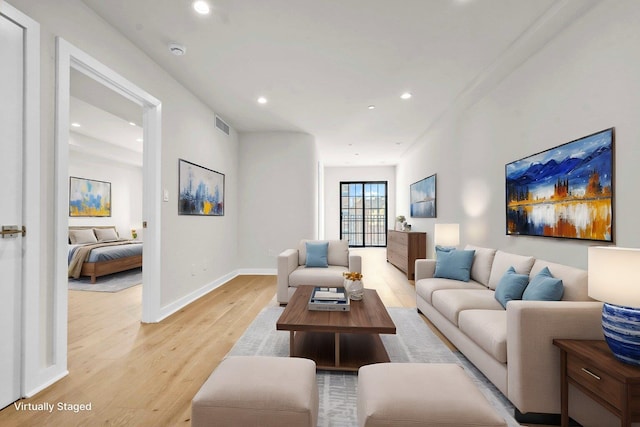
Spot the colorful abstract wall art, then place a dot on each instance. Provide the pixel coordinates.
(566, 191)
(201, 190)
(423, 198)
(88, 197)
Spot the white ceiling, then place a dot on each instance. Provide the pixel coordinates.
(321, 63)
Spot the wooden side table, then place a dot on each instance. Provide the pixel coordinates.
(591, 367)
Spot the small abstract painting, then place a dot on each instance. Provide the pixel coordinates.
(88, 197)
(423, 198)
(566, 191)
(201, 190)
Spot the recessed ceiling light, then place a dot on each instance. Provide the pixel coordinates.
(139, 140)
(405, 95)
(202, 7)
(371, 107)
(262, 100)
(75, 125)
(132, 123)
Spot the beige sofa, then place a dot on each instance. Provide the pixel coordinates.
(512, 347)
(293, 272)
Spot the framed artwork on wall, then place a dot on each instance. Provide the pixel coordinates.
(423, 198)
(88, 197)
(201, 190)
(566, 191)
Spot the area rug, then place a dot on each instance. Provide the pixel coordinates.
(413, 342)
(110, 283)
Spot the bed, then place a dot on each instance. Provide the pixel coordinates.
(96, 251)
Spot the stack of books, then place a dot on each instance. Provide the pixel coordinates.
(329, 299)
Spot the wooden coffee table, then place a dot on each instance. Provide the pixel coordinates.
(337, 340)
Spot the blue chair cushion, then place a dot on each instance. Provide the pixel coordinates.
(317, 254)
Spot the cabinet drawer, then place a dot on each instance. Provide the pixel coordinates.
(398, 238)
(595, 380)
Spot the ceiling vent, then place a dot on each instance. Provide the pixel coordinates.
(220, 124)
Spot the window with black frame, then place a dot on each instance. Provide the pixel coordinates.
(363, 213)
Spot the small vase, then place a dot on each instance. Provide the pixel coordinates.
(354, 288)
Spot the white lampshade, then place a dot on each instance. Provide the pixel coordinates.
(446, 235)
(613, 275)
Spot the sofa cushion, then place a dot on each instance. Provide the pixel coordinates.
(330, 276)
(316, 254)
(511, 286)
(544, 287)
(503, 260)
(453, 264)
(450, 302)
(488, 329)
(573, 279)
(482, 261)
(337, 253)
(426, 287)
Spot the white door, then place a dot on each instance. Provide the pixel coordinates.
(11, 145)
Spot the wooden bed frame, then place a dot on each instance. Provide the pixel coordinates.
(102, 268)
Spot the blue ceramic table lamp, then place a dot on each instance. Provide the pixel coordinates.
(614, 280)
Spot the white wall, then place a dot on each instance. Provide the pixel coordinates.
(583, 81)
(196, 252)
(332, 177)
(278, 195)
(126, 191)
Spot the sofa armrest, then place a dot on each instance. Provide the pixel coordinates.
(355, 263)
(287, 262)
(533, 362)
(425, 268)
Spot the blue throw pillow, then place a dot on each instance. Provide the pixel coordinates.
(317, 254)
(454, 264)
(544, 287)
(511, 286)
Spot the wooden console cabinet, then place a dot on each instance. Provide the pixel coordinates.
(404, 247)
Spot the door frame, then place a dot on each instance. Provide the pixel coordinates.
(31, 371)
(68, 57)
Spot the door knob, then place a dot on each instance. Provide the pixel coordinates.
(12, 231)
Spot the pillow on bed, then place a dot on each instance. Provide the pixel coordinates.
(79, 237)
(106, 234)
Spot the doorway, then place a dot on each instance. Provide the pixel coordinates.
(20, 240)
(363, 213)
(71, 58)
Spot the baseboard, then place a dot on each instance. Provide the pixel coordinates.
(257, 272)
(47, 377)
(175, 306)
(538, 418)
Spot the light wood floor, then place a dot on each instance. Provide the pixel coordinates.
(147, 374)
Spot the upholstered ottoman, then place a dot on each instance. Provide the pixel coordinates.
(258, 391)
(421, 394)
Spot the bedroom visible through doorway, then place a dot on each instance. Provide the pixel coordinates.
(105, 181)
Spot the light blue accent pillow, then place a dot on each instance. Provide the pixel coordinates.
(544, 287)
(454, 264)
(317, 254)
(511, 286)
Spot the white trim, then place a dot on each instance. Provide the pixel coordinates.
(257, 272)
(67, 57)
(31, 328)
(52, 375)
(175, 306)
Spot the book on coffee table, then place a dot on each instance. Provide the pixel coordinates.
(328, 299)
